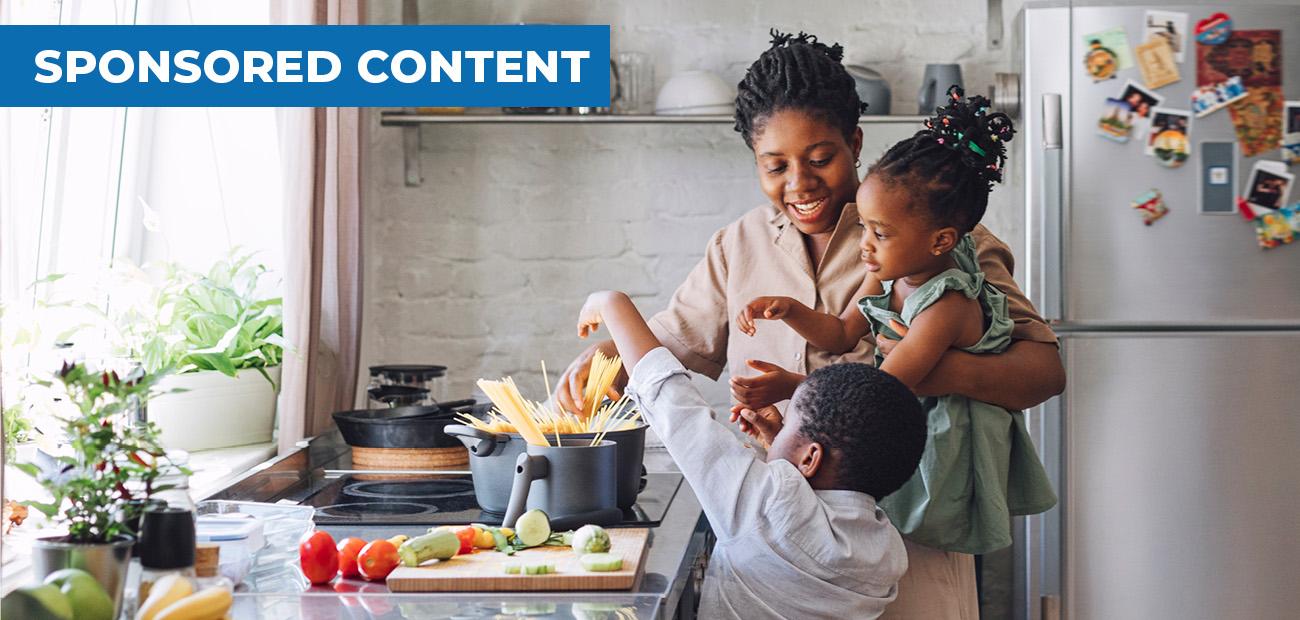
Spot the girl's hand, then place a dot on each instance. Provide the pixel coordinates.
(770, 308)
(773, 386)
(762, 425)
(589, 317)
(885, 345)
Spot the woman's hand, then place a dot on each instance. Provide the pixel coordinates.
(770, 308)
(568, 391)
(773, 386)
(762, 425)
(885, 345)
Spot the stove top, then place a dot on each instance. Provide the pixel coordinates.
(447, 499)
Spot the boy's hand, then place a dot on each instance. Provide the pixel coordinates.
(770, 308)
(773, 386)
(589, 318)
(762, 425)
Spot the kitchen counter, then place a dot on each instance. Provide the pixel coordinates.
(678, 548)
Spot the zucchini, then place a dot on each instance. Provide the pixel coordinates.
(601, 562)
(530, 568)
(441, 544)
(533, 528)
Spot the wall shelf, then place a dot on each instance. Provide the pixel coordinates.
(406, 119)
(410, 123)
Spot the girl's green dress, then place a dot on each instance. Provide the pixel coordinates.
(979, 467)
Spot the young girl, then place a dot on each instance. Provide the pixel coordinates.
(918, 206)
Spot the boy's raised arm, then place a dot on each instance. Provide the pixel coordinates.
(631, 334)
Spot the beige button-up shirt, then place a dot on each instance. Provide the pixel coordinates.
(762, 253)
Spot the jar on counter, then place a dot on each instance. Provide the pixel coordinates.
(422, 376)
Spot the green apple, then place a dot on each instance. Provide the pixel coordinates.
(42, 602)
(88, 599)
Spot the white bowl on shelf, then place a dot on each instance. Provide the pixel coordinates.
(694, 89)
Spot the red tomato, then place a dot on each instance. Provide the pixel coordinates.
(377, 559)
(319, 557)
(348, 550)
(466, 535)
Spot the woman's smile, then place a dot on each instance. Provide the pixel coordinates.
(807, 210)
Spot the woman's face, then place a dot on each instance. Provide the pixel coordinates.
(806, 168)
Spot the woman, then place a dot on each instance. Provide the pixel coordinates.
(798, 111)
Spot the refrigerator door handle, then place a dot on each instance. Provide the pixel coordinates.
(1049, 210)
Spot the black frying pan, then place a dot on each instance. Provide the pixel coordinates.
(401, 427)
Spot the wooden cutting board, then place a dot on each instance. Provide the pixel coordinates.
(485, 569)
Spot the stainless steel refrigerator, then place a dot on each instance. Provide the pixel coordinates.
(1176, 445)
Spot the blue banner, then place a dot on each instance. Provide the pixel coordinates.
(304, 66)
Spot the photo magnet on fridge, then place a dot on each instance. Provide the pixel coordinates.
(1151, 205)
(1209, 98)
(1106, 52)
(1272, 228)
(1156, 61)
(1214, 29)
(1291, 132)
(1116, 123)
(1169, 26)
(1268, 187)
(1169, 137)
(1139, 99)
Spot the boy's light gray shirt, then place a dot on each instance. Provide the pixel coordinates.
(784, 550)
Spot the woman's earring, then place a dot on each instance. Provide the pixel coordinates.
(857, 164)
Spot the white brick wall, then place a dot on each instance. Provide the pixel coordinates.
(483, 267)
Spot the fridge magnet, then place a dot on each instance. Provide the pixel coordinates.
(1139, 99)
(1213, 97)
(1117, 121)
(1169, 26)
(1291, 132)
(1267, 187)
(1168, 137)
(1155, 60)
(1257, 120)
(1214, 29)
(1272, 229)
(1106, 52)
(1151, 205)
(1292, 215)
(1255, 55)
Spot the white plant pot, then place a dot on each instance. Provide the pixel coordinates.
(215, 411)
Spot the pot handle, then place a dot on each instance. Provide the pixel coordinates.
(528, 468)
(479, 442)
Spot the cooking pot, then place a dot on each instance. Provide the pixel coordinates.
(492, 459)
(573, 483)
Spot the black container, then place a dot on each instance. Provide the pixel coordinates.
(399, 427)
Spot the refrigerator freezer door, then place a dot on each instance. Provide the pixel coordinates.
(1189, 267)
(1183, 476)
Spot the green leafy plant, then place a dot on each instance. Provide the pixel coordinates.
(17, 429)
(220, 323)
(114, 462)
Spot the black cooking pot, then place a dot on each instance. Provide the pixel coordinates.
(401, 427)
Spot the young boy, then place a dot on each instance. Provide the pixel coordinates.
(800, 535)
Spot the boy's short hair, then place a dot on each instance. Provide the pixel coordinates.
(870, 418)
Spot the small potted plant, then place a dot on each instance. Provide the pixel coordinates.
(101, 483)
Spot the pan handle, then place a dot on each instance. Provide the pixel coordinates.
(479, 442)
(528, 467)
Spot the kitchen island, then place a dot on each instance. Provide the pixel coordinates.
(673, 564)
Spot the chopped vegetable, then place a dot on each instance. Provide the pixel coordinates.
(441, 544)
(533, 528)
(590, 539)
(483, 538)
(502, 541)
(601, 562)
(399, 539)
(466, 535)
(530, 568)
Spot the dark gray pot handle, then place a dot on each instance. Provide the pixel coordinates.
(527, 469)
(479, 442)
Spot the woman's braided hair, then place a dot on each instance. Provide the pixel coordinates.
(952, 164)
(798, 72)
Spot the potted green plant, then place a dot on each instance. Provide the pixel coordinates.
(99, 485)
(226, 343)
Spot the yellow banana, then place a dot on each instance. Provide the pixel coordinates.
(164, 592)
(207, 604)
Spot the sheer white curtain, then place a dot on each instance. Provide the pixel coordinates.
(320, 155)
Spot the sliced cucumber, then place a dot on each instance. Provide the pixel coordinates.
(530, 568)
(601, 562)
(533, 528)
